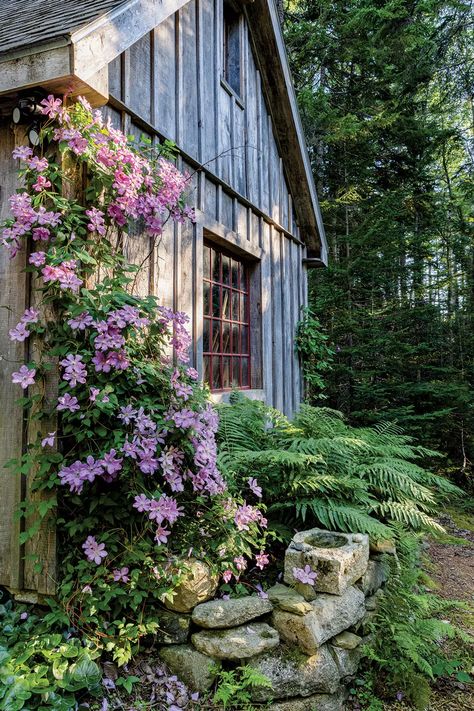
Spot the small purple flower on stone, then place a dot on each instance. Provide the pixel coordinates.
(93, 550)
(24, 377)
(305, 575)
(68, 402)
(37, 259)
(261, 592)
(121, 575)
(24, 616)
(38, 164)
(254, 487)
(19, 333)
(49, 440)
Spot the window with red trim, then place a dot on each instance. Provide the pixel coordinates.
(226, 327)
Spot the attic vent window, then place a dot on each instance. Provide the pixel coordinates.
(232, 48)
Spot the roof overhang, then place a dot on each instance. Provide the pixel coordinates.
(267, 36)
(77, 64)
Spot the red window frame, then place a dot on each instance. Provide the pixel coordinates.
(226, 320)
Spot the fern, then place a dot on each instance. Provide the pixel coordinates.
(318, 470)
(408, 626)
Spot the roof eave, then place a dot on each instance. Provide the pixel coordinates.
(267, 37)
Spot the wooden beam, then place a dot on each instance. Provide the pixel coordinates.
(102, 40)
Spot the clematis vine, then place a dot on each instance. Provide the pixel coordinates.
(137, 467)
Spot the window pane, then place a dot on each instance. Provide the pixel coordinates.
(216, 269)
(207, 297)
(235, 338)
(245, 373)
(243, 307)
(216, 373)
(226, 337)
(235, 274)
(245, 339)
(225, 269)
(226, 373)
(232, 47)
(216, 337)
(216, 305)
(235, 372)
(206, 361)
(207, 262)
(225, 303)
(206, 335)
(243, 279)
(235, 305)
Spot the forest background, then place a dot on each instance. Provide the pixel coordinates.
(386, 92)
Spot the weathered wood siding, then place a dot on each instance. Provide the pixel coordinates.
(169, 85)
(19, 569)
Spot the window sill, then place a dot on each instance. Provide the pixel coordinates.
(232, 93)
(224, 395)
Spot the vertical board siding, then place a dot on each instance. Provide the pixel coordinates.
(267, 321)
(13, 301)
(173, 79)
(165, 77)
(188, 137)
(140, 90)
(276, 284)
(286, 324)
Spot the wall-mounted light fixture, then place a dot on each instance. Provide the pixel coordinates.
(28, 111)
(27, 108)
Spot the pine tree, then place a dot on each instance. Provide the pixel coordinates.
(385, 91)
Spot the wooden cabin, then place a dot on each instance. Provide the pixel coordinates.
(212, 76)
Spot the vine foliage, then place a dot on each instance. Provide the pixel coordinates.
(131, 463)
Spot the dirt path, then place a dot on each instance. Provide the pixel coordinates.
(451, 567)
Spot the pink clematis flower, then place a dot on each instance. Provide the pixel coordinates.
(121, 575)
(51, 106)
(48, 440)
(37, 259)
(261, 560)
(24, 377)
(93, 550)
(19, 333)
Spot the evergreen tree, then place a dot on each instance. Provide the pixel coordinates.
(387, 99)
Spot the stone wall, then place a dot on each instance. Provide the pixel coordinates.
(306, 639)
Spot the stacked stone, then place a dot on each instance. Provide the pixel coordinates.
(306, 639)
